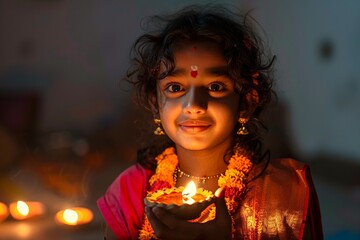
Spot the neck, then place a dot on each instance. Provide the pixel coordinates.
(203, 163)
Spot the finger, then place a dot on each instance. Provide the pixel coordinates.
(164, 225)
(221, 208)
(166, 218)
(157, 225)
(222, 216)
(219, 192)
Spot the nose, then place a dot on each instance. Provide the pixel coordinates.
(195, 101)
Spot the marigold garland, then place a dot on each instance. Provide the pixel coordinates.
(233, 181)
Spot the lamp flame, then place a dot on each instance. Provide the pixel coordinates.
(189, 192)
(70, 216)
(22, 208)
(74, 216)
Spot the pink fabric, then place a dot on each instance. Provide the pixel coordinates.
(122, 206)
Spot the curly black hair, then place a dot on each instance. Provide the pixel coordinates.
(249, 64)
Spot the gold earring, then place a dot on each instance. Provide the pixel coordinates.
(158, 131)
(242, 130)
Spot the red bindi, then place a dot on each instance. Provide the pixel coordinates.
(194, 71)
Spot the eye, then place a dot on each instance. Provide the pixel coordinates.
(216, 87)
(173, 88)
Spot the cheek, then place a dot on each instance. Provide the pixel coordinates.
(230, 106)
(164, 105)
(229, 114)
(169, 109)
(226, 115)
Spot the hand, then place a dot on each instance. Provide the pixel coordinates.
(167, 226)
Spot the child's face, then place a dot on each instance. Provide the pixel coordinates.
(197, 103)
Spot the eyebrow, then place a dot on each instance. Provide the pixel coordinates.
(215, 71)
(218, 71)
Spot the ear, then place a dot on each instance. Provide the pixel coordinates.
(252, 101)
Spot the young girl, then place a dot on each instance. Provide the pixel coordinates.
(206, 79)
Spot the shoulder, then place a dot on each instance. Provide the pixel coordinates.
(134, 172)
(283, 184)
(282, 179)
(286, 165)
(132, 179)
(286, 170)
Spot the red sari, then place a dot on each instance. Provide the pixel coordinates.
(277, 206)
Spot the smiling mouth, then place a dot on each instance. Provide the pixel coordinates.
(194, 126)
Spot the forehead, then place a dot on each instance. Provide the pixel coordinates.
(200, 50)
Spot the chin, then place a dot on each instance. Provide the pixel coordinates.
(196, 146)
